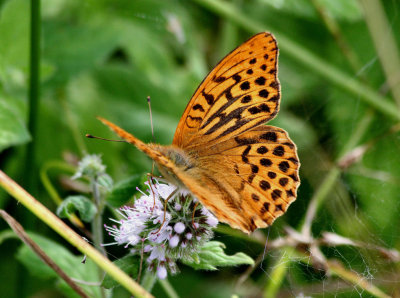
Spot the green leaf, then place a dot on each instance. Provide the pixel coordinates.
(212, 255)
(124, 190)
(106, 182)
(83, 205)
(72, 265)
(14, 41)
(129, 264)
(93, 42)
(13, 130)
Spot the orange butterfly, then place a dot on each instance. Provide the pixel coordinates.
(243, 171)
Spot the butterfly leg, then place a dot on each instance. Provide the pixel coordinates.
(150, 181)
(165, 208)
(194, 210)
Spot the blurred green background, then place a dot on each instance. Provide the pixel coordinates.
(339, 68)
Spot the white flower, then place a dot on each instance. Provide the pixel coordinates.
(158, 253)
(179, 227)
(161, 272)
(173, 242)
(211, 219)
(178, 207)
(162, 235)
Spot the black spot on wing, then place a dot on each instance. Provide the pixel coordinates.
(198, 107)
(269, 136)
(255, 197)
(276, 194)
(284, 166)
(262, 150)
(264, 185)
(245, 153)
(283, 181)
(265, 162)
(209, 97)
(279, 151)
(246, 99)
(245, 86)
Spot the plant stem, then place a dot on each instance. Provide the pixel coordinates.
(385, 44)
(332, 25)
(97, 226)
(169, 290)
(76, 240)
(149, 280)
(34, 93)
(308, 59)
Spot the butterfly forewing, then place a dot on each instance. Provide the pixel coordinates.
(240, 93)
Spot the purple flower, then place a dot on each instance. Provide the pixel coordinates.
(157, 232)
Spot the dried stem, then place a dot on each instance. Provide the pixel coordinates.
(63, 230)
(19, 230)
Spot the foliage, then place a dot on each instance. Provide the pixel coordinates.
(103, 58)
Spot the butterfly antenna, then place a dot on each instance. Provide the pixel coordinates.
(89, 136)
(151, 118)
(152, 129)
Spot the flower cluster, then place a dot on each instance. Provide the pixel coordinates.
(90, 166)
(163, 225)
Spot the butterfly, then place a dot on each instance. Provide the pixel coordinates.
(244, 172)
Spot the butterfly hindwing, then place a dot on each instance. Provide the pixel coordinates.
(241, 92)
(261, 165)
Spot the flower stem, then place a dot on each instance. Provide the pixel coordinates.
(63, 230)
(97, 227)
(169, 290)
(149, 280)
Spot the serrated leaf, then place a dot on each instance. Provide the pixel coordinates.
(129, 264)
(83, 205)
(212, 255)
(69, 263)
(124, 190)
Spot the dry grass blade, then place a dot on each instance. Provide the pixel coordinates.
(19, 230)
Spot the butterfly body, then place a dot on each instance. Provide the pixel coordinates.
(243, 171)
(181, 161)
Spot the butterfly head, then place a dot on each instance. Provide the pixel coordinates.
(180, 159)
